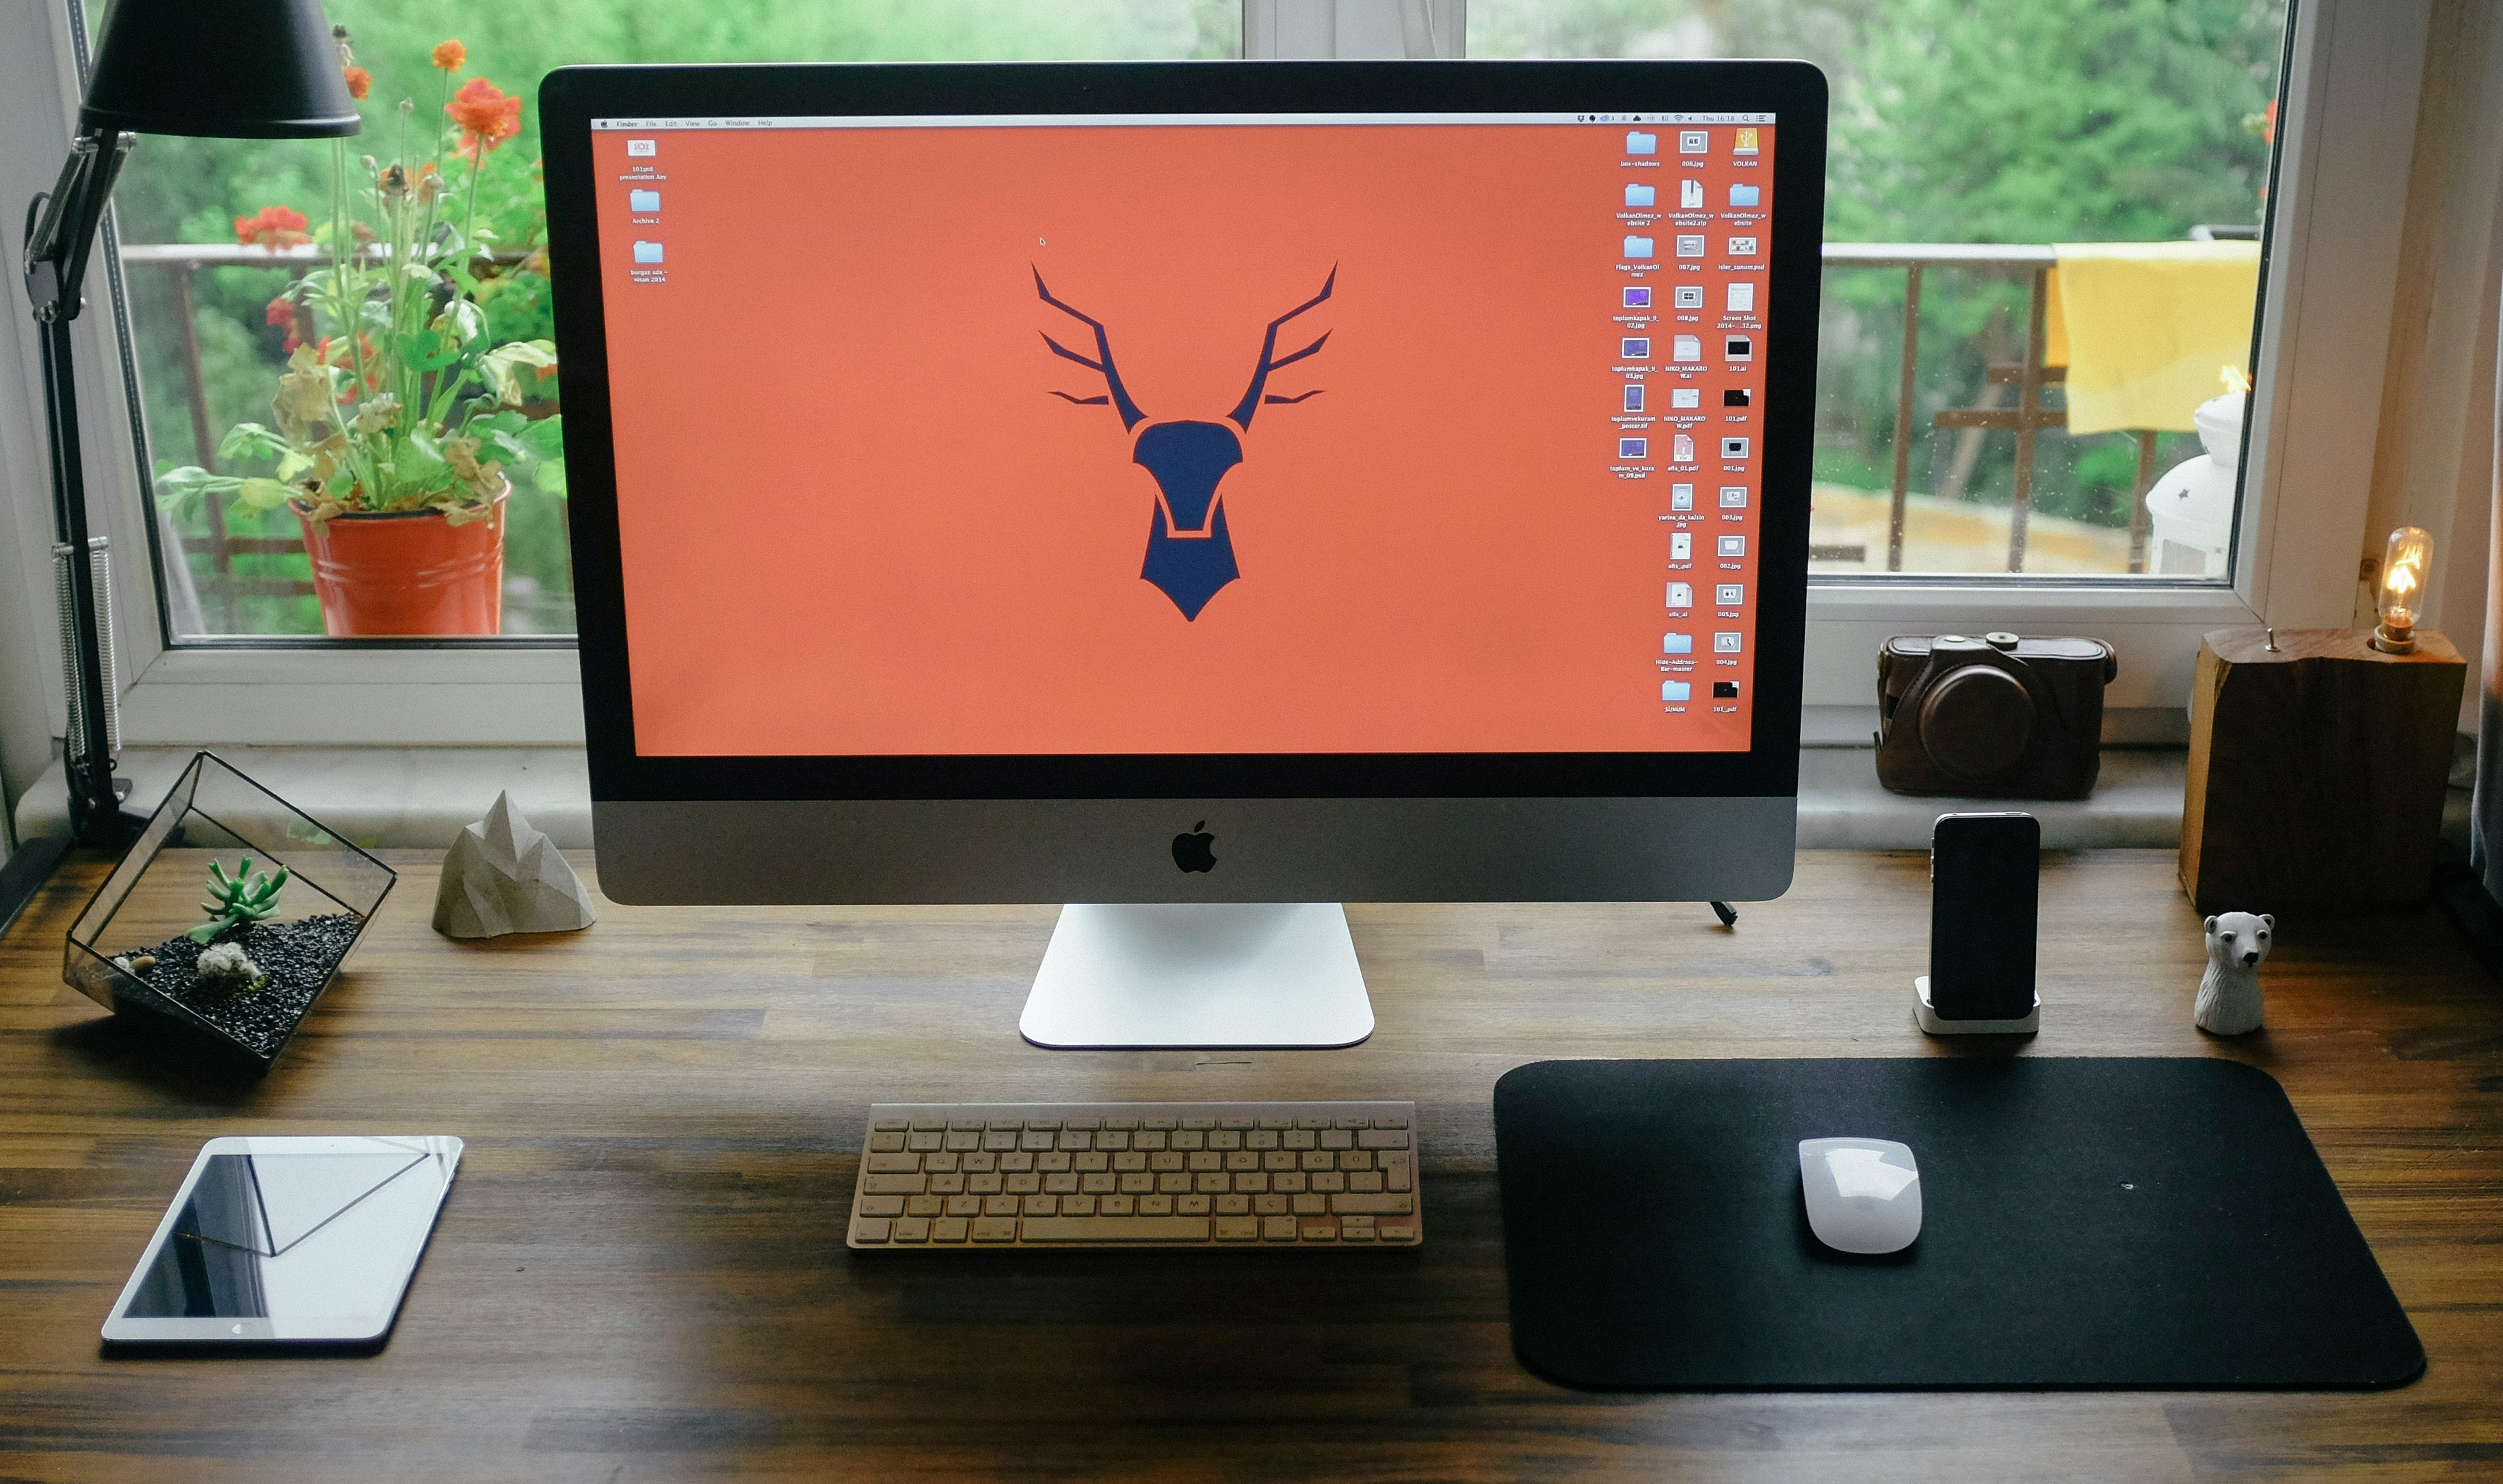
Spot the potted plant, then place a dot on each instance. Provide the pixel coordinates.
(398, 417)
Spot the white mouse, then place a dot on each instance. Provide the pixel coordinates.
(1864, 1195)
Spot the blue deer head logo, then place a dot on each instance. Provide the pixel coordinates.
(1190, 555)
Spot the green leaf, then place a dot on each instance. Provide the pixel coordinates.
(263, 494)
(545, 437)
(550, 476)
(251, 440)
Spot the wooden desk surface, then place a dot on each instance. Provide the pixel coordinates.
(641, 1274)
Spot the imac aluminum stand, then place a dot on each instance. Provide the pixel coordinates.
(1263, 973)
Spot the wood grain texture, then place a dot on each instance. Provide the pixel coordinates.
(641, 1274)
(2317, 770)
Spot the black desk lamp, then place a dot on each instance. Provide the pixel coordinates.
(238, 69)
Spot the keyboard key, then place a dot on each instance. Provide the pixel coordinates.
(1238, 1228)
(1060, 1184)
(893, 1184)
(946, 1185)
(1373, 1205)
(1318, 1232)
(1347, 1233)
(1117, 1206)
(1173, 1183)
(995, 1228)
(1277, 1122)
(1197, 1205)
(1211, 1183)
(1116, 1229)
(1355, 1123)
(1160, 1205)
(892, 1125)
(1291, 1182)
(1338, 1138)
(1381, 1138)
(1278, 1228)
(1165, 1125)
(885, 1143)
(1274, 1205)
(1043, 1205)
(1312, 1124)
(870, 1228)
(1401, 1231)
(1233, 1205)
(1251, 1183)
(1320, 1160)
(1236, 1124)
(1242, 1159)
(1394, 1172)
(1395, 1122)
(911, 1229)
(1266, 1138)
(1365, 1181)
(950, 1229)
(1327, 1180)
(1077, 1205)
(1000, 1205)
(891, 1164)
(1279, 1160)
(1088, 1124)
(938, 1164)
(916, 1205)
(964, 1205)
(1311, 1205)
(929, 1123)
(884, 1205)
(924, 1143)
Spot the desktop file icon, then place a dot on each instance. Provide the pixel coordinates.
(1673, 691)
(1637, 247)
(1638, 143)
(1690, 195)
(1640, 196)
(1681, 595)
(1745, 195)
(1633, 448)
(643, 200)
(647, 252)
(1685, 347)
(1677, 643)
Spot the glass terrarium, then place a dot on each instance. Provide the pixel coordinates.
(228, 916)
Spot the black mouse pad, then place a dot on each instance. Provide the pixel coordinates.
(2144, 1222)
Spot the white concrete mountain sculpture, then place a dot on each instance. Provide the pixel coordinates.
(504, 877)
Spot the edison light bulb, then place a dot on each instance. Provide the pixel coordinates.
(2404, 567)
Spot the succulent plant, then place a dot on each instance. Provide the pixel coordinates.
(246, 896)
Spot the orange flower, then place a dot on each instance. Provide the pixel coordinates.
(272, 227)
(450, 55)
(486, 114)
(360, 82)
(282, 312)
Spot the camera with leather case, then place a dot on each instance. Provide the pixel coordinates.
(1998, 716)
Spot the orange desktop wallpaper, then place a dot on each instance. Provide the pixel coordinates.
(861, 512)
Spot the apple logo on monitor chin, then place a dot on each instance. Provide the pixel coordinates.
(1193, 849)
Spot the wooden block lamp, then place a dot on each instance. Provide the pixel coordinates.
(2318, 757)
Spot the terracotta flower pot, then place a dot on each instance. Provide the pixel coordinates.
(407, 572)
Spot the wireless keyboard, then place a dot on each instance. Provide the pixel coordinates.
(966, 1175)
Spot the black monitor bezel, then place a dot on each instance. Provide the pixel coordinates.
(1795, 92)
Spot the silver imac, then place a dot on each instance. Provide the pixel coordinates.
(1198, 493)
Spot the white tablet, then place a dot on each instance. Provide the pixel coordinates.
(287, 1240)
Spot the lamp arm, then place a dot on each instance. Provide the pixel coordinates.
(58, 238)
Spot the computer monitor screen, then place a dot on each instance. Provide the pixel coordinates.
(1387, 463)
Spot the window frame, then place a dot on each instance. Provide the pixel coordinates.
(2353, 79)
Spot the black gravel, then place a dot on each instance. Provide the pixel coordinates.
(296, 957)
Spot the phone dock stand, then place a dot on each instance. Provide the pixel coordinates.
(1932, 1022)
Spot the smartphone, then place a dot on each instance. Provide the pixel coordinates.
(1985, 894)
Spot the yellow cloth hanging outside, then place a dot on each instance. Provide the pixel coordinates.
(2143, 327)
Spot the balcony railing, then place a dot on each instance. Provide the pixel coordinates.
(182, 262)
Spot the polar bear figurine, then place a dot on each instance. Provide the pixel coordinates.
(2229, 992)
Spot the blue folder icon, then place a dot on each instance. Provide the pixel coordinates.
(1677, 643)
(642, 200)
(1640, 196)
(1642, 144)
(1675, 690)
(1637, 247)
(1745, 195)
(647, 252)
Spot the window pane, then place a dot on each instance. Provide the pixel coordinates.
(1995, 149)
(219, 238)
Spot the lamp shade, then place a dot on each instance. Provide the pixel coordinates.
(232, 69)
